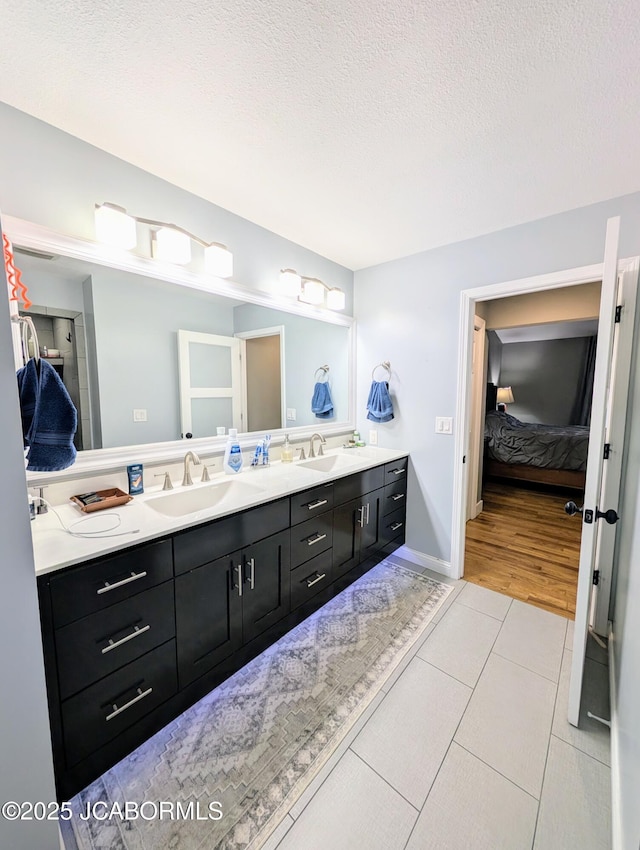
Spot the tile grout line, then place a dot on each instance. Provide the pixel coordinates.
(524, 667)
(580, 750)
(495, 770)
(386, 781)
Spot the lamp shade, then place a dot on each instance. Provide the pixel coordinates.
(505, 395)
(312, 291)
(218, 260)
(290, 282)
(114, 227)
(172, 246)
(336, 299)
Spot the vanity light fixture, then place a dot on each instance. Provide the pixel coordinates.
(169, 242)
(311, 290)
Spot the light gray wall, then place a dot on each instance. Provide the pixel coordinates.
(136, 324)
(54, 179)
(308, 345)
(544, 377)
(26, 765)
(408, 312)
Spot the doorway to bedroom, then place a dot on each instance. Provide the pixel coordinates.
(532, 367)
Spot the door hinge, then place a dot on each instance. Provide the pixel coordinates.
(596, 577)
(607, 451)
(464, 458)
(618, 314)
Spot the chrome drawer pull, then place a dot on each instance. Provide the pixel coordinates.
(396, 525)
(318, 504)
(398, 496)
(133, 577)
(360, 521)
(252, 574)
(141, 695)
(240, 579)
(113, 644)
(312, 540)
(398, 471)
(316, 579)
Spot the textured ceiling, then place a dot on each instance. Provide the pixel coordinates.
(362, 129)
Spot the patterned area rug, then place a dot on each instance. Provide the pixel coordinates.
(248, 749)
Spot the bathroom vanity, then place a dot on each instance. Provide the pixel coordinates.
(137, 629)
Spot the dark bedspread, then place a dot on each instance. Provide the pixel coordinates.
(549, 446)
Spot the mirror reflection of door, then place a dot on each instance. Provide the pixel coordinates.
(262, 369)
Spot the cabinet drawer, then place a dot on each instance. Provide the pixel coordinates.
(395, 469)
(95, 646)
(75, 593)
(395, 496)
(354, 486)
(208, 542)
(100, 713)
(311, 502)
(393, 526)
(310, 578)
(310, 538)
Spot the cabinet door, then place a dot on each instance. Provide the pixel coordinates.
(266, 584)
(346, 539)
(208, 616)
(370, 528)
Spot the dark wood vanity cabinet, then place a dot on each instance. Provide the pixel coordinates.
(133, 639)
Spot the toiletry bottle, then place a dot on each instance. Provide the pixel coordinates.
(286, 455)
(232, 454)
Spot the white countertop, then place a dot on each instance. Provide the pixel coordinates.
(55, 548)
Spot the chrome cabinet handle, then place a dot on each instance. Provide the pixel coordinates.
(135, 633)
(318, 578)
(313, 540)
(107, 587)
(398, 471)
(252, 575)
(238, 570)
(396, 525)
(397, 496)
(368, 506)
(361, 520)
(118, 710)
(317, 504)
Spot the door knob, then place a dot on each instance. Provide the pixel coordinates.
(571, 508)
(610, 516)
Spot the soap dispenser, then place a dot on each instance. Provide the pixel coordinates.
(286, 455)
(232, 454)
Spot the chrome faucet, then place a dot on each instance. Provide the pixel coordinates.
(320, 450)
(187, 480)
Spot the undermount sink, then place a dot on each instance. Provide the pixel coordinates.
(186, 501)
(328, 463)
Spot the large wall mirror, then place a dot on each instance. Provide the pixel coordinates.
(151, 357)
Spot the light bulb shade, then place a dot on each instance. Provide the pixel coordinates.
(172, 246)
(114, 227)
(290, 282)
(505, 395)
(312, 291)
(336, 299)
(218, 260)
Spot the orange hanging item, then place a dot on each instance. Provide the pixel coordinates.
(18, 289)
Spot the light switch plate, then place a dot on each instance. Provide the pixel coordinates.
(291, 414)
(373, 437)
(139, 415)
(444, 425)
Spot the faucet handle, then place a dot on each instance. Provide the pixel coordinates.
(302, 454)
(205, 473)
(321, 451)
(167, 484)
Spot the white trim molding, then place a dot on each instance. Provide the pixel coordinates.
(616, 797)
(428, 561)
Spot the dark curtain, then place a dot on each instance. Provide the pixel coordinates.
(581, 413)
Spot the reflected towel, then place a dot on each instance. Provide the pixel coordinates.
(49, 417)
(379, 404)
(322, 403)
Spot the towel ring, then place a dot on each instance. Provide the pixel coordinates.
(28, 328)
(324, 369)
(386, 364)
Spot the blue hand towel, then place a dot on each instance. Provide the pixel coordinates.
(322, 403)
(49, 417)
(379, 403)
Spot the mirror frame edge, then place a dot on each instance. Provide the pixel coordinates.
(37, 237)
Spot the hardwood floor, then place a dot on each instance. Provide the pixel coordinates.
(525, 546)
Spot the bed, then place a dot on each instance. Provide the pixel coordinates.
(545, 454)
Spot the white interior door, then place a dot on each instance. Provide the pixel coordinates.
(476, 433)
(591, 524)
(210, 383)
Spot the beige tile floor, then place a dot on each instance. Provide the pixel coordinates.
(468, 745)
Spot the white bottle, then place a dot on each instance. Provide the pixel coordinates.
(232, 454)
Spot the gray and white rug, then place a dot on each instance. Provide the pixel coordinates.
(238, 759)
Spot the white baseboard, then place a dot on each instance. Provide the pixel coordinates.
(616, 823)
(428, 561)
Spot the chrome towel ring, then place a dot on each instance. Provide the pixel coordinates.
(324, 369)
(386, 364)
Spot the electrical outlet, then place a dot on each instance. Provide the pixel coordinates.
(291, 414)
(139, 415)
(373, 437)
(444, 425)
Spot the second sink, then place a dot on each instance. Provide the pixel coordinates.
(328, 463)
